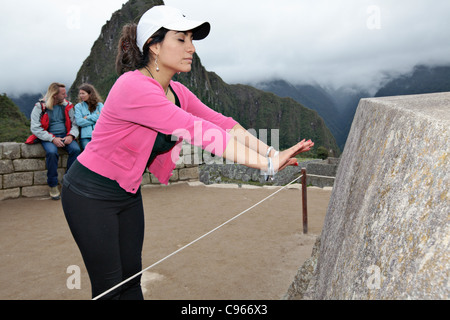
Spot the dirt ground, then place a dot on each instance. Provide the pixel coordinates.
(254, 257)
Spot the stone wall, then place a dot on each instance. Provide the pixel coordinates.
(235, 173)
(23, 171)
(386, 232)
(322, 173)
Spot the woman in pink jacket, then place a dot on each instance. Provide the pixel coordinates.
(101, 192)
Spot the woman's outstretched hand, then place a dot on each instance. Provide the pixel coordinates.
(287, 157)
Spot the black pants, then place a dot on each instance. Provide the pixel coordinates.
(110, 236)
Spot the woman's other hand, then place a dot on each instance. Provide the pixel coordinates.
(287, 157)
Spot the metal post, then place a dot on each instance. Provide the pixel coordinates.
(304, 202)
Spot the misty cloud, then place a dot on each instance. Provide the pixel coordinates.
(335, 43)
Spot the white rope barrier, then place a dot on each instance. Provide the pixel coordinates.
(194, 241)
(315, 175)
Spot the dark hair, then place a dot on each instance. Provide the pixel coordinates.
(129, 57)
(94, 97)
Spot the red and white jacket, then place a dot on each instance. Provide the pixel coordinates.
(40, 123)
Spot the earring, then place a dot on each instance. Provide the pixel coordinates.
(156, 62)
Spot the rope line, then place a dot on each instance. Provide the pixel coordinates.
(315, 175)
(194, 241)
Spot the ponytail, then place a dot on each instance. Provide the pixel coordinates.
(129, 57)
(128, 54)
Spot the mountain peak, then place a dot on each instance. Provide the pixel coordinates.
(253, 108)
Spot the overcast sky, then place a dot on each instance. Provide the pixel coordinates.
(333, 42)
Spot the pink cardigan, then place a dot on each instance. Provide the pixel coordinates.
(134, 112)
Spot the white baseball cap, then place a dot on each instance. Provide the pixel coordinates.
(170, 18)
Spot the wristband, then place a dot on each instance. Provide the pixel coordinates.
(268, 175)
(268, 151)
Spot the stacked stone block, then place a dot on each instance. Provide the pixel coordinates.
(386, 232)
(23, 171)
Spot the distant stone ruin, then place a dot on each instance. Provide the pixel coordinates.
(322, 173)
(386, 233)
